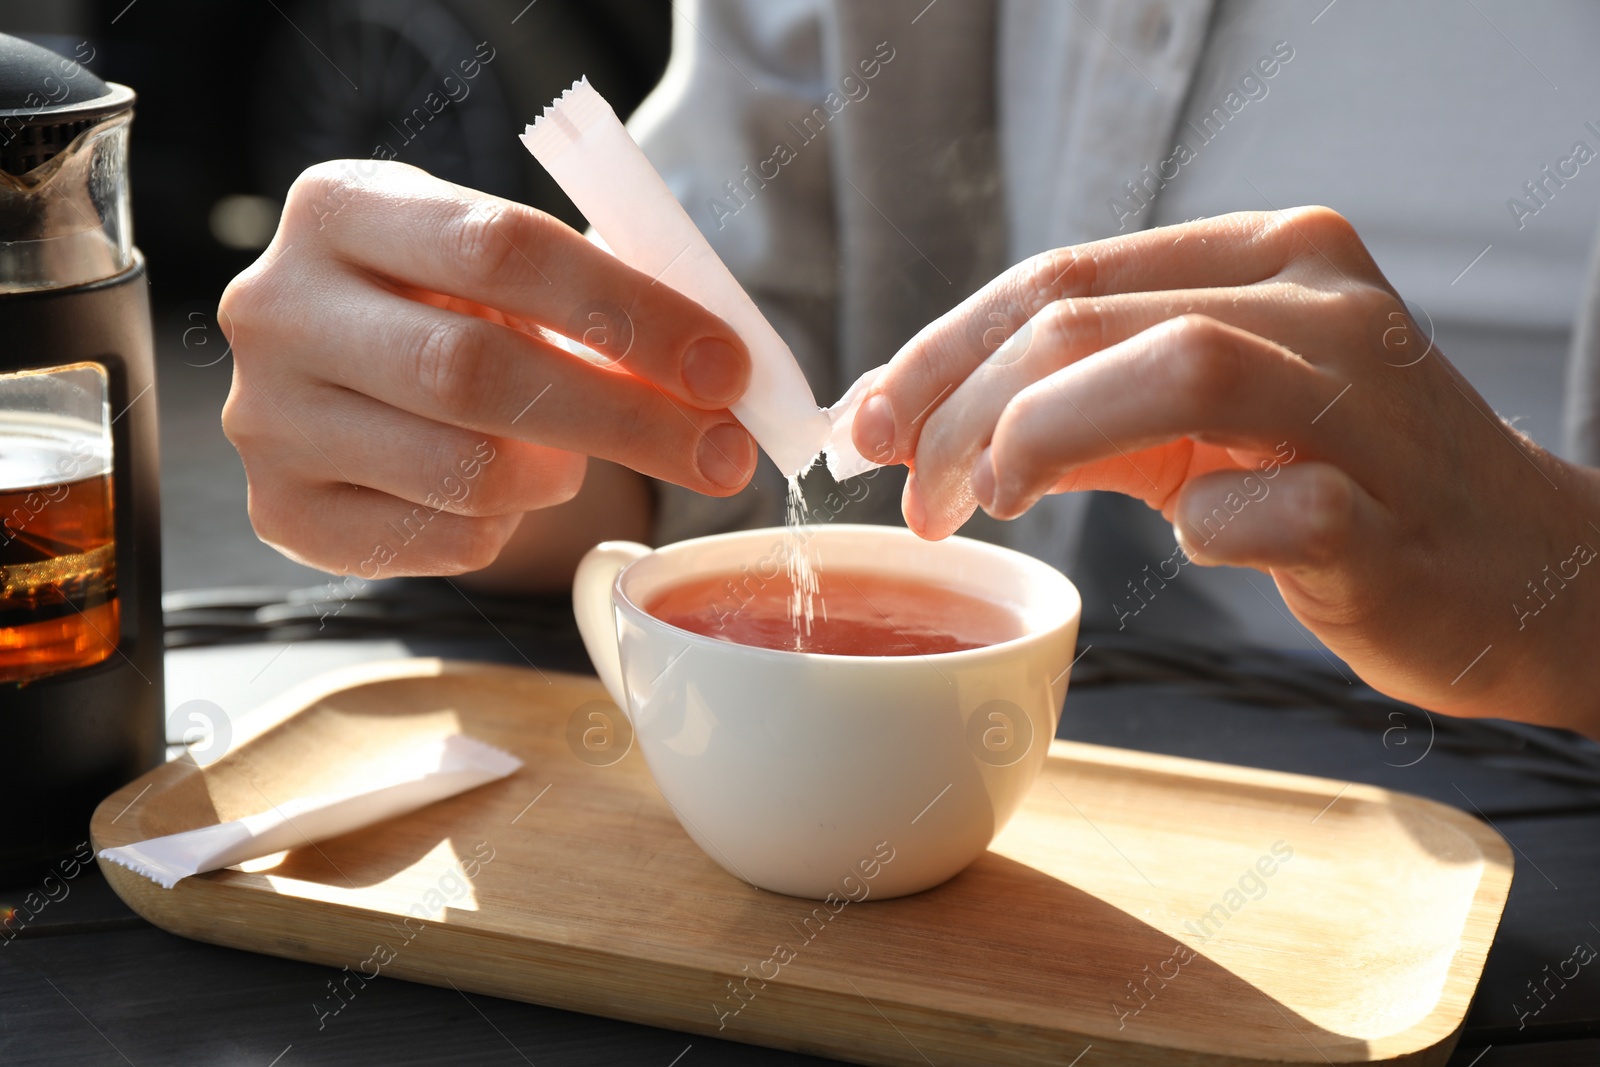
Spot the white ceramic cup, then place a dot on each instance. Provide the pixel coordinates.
(799, 772)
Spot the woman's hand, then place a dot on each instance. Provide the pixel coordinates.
(1256, 379)
(396, 404)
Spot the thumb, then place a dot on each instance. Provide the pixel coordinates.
(1308, 517)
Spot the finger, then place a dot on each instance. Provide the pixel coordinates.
(463, 371)
(1064, 332)
(1190, 377)
(1173, 464)
(1325, 540)
(411, 228)
(1304, 517)
(353, 439)
(349, 529)
(1230, 250)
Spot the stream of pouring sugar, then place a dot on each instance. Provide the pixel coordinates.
(804, 582)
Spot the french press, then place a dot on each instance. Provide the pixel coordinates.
(81, 695)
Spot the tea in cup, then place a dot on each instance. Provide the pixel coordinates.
(880, 752)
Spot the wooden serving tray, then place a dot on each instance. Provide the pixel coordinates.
(1160, 911)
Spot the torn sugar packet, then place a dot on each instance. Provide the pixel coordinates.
(590, 154)
(398, 783)
(843, 459)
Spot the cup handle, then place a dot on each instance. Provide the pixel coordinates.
(596, 613)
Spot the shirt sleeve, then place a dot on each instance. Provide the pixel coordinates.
(725, 127)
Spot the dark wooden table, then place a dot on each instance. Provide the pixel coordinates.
(86, 981)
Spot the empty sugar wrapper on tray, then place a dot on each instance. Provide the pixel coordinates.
(397, 784)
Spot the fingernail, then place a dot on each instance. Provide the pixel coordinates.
(916, 512)
(874, 429)
(713, 371)
(982, 481)
(1190, 553)
(725, 455)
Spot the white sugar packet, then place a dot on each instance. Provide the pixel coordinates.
(398, 783)
(590, 154)
(840, 452)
